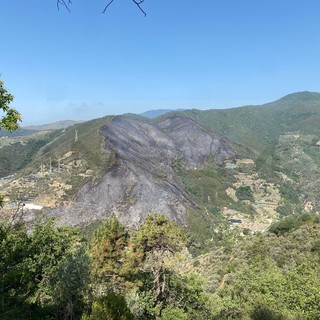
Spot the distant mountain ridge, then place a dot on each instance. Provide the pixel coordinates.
(259, 126)
(57, 125)
(29, 130)
(152, 114)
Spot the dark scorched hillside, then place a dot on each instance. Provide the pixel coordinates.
(143, 179)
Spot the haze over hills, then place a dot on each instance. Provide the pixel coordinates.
(202, 168)
(29, 130)
(152, 114)
(52, 126)
(155, 113)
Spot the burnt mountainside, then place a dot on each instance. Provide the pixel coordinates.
(143, 179)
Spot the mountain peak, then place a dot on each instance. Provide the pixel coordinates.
(301, 96)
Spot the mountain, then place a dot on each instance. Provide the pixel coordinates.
(29, 130)
(260, 126)
(213, 171)
(143, 179)
(243, 183)
(52, 126)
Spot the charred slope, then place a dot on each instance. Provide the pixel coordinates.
(143, 180)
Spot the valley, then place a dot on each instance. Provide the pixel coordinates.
(199, 214)
(176, 164)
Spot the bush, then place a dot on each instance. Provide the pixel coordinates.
(173, 314)
(264, 313)
(289, 224)
(316, 247)
(244, 193)
(111, 307)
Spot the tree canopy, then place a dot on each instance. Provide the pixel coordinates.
(148, 274)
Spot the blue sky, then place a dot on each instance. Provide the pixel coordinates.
(184, 54)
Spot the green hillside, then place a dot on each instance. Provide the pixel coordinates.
(30, 153)
(258, 127)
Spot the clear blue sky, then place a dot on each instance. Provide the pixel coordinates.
(184, 54)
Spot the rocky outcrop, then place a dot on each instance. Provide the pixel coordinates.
(148, 144)
(194, 143)
(143, 180)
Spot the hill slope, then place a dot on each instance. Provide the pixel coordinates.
(242, 167)
(143, 178)
(260, 126)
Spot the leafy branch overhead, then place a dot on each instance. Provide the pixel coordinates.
(10, 117)
(67, 3)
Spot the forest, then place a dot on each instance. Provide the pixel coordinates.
(118, 273)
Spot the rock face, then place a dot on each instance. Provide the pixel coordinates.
(143, 180)
(194, 143)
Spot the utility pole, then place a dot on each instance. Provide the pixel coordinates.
(76, 136)
(50, 168)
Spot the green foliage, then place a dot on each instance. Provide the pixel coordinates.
(206, 184)
(260, 126)
(265, 292)
(316, 247)
(139, 266)
(160, 234)
(66, 286)
(244, 193)
(289, 224)
(111, 307)
(148, 274)
(185, 297)
(30, 269)
(171, 313)
(285, 209)
(15, 276)
(17, 156)
(303, 283)
(158, 239)
(50, 244)
(289, 193)
(291, 200)
(275, 277)
(200, 232)
(11, 117)
(113, 259)
(87, 147)
(141, 303)
(262, 312)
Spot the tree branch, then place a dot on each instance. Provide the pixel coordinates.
(64, 3)
(106, 7)
(67, 3)
(137, 2)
